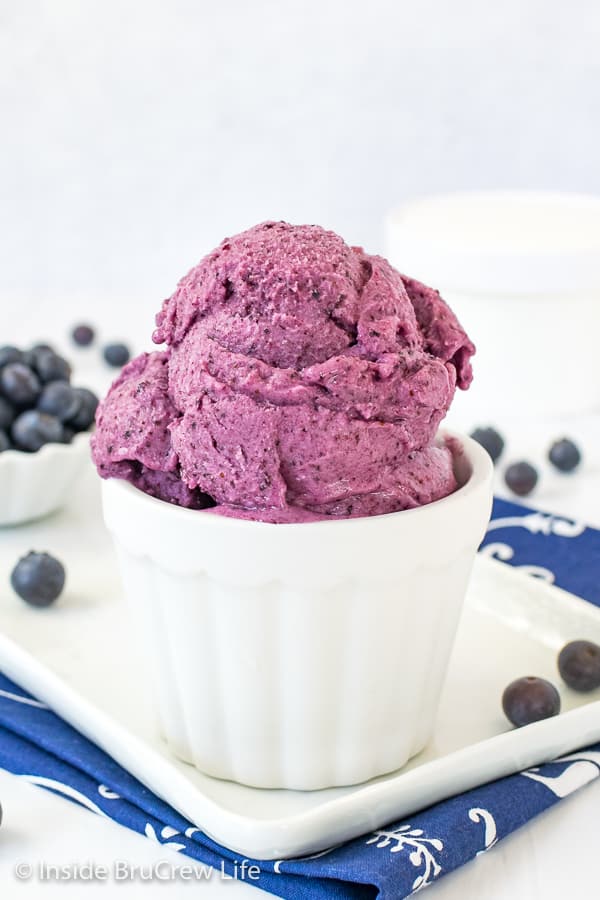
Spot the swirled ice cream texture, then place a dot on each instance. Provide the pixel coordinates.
(301, 378)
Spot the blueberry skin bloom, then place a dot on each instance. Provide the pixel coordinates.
(117, 355)
(521, 478)
(579, 665)
(9, 354)
(564, 455)
(52, 367)
(530, 699)
(84, 418)
(19, 384)
(59, 399)
(38, 579)
(33, 429)
(83, 335)
(490, 440)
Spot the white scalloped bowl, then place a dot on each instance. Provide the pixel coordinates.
(299, 656)
(33, 485)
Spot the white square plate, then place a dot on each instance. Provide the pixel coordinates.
(77, 658)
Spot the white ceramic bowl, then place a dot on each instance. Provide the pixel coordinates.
(299, 656)
(33, 485)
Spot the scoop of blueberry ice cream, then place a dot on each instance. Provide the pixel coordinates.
(301, 378)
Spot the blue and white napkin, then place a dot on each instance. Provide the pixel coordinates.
(392, 862)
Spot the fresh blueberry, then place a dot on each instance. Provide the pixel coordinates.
(61, 400)
(68, 435)
(83, 335)
(30, 357)
(4, 441)
(10, 354)
(33, 429)
(579, 665)
(521, 478)
(564, 455)
(530, 699)
(19, 384)
(84, 417)
(52, 367)
(7, 414)
(38, 579)
(117, 354)
(490, 440)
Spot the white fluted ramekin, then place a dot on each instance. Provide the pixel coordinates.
(33, 485)
(299, 656)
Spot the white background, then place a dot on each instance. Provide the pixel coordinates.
(135, 134)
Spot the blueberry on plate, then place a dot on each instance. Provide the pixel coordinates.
(490, 440)
(564, 455)
(5, 443)
(7, 414)
(117, 354)
(83, 335)
(59, 399)
(52, 367)
(530, 699)
(521, 478)
(9, 354)
(579, 665)
(84, 418)
(19, 384)
(33, 429)
(38, 579)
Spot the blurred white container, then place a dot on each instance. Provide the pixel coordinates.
(299, 656)
(522, 272)
(33, 485)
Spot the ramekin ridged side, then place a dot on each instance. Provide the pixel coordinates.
(32, 485)
(299, 656)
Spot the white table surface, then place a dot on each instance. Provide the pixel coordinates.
(550, 858)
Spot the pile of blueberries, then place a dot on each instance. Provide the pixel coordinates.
(522, 477)
(38, 405)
